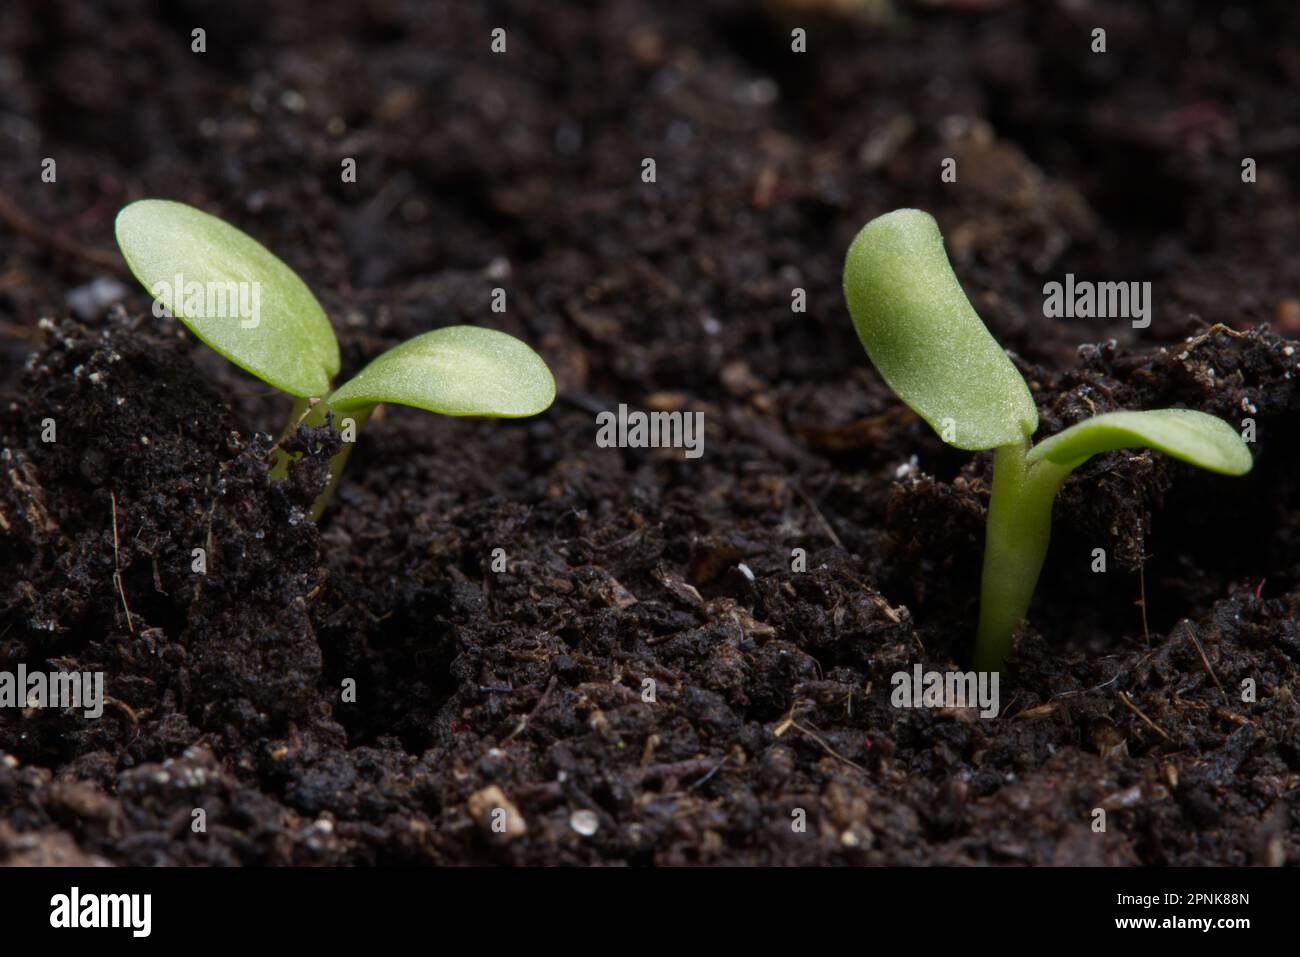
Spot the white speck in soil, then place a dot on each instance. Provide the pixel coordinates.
(760, 92)
(584, 822)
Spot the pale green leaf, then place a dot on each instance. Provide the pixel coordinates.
(459, 370)
(1184, 434)
(251, 307)
(926, 339)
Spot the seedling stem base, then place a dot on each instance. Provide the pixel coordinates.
(1018, 532)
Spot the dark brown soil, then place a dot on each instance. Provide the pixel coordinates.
(522, 170)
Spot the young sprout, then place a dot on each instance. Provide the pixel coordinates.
(929, 345)
(248, 306)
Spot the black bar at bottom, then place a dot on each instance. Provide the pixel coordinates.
(597, 909)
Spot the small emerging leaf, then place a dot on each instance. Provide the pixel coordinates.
(1191, 436)
(926, 339)
(232, 293)
(459, 370)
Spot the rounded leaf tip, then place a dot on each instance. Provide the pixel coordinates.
(925, 338)
(457, 370)
(231, 292)
(1186, 434)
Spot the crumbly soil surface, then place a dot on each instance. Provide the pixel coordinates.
(649, 680)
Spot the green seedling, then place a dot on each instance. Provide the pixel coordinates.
(931, 347)
(251, 308)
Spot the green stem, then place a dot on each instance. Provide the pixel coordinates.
(316, 417)
(1019, 529)
(280, 467)
(359, 416)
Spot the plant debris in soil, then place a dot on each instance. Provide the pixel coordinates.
(649, 679)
